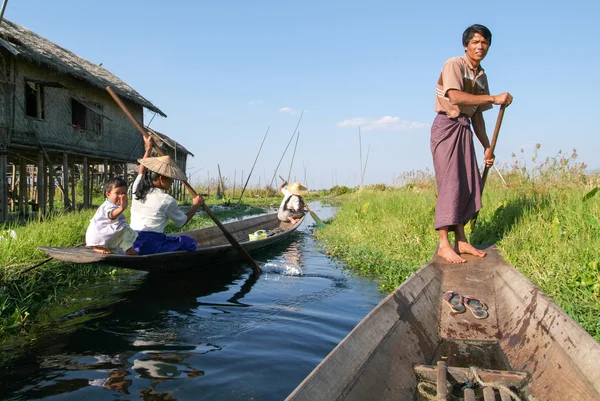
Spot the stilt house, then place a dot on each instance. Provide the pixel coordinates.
(61, 133)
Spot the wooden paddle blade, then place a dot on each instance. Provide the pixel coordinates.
(317, 219)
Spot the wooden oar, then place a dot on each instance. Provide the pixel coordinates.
(205, 207)
(486, 168)
(316, 218)
(312, 214)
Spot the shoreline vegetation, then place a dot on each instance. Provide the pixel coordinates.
(544, 219)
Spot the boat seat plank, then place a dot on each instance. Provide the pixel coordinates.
(469, 394)
(504, 395)
(442, 381)
(488, 394)
(507, 378)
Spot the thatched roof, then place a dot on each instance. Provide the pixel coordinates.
(168, 142)
(36, 49)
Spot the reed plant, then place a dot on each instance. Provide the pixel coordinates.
(542, 215)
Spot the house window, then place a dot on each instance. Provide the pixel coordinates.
(86, 116)
(34, 100)
(78, 115)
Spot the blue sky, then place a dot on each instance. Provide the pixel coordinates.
(225, 71)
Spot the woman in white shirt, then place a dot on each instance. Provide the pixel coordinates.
(152, 206)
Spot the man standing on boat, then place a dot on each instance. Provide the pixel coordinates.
(462, 95)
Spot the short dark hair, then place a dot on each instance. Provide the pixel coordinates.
(472, 30)
(115, 182)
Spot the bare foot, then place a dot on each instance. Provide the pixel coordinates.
(293, 220)
(465, 247)
(131, 251)
(448, 254)
(101, 249)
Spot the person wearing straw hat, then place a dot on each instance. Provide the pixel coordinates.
(152, 207)
(292, 207)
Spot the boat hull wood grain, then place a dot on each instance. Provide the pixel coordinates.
(213, 247)
(525, 331)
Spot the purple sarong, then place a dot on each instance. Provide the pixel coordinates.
(149, 242)
(456, 172)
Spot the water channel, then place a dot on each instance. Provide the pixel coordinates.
(193, 336)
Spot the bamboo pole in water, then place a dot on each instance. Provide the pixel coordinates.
(360, 154)
(293, 155)
(286, 148)
(252, 169)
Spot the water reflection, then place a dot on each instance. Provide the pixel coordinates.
(136, 337)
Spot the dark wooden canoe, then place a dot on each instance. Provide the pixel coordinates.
(213, 247)
(527, 343)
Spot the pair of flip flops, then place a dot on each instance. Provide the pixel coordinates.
(459, 304)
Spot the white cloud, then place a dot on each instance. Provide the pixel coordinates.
(288, 110)
(384, 123)
(255, 102)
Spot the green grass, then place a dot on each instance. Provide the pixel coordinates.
(539, 221)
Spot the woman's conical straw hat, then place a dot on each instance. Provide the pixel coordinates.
(163, 165)
(297, 189)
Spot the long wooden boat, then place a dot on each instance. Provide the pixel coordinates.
(412, 346)
(213, 247)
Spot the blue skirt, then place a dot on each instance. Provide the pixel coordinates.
(149, 242)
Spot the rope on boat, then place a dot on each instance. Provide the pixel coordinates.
(474, 376)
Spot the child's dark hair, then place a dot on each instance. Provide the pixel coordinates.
(115, 182)
(145, 184)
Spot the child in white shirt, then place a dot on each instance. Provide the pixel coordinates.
(108, 231)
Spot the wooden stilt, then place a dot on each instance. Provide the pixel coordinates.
(469, 394)
(23, 206)
(91, 188)
(3, 189)
(65, 183)
(105, 177)
(13, 185)
(41, 193)
(32, 187)
(86, 183)
(46, 188)
(51, 187)
(73, 197)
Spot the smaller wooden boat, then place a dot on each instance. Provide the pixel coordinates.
(213, 247)
(413, 346)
